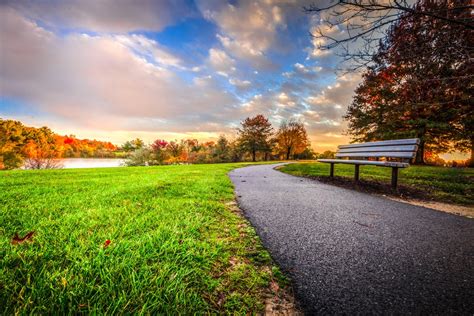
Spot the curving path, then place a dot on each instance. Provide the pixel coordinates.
(353, 253)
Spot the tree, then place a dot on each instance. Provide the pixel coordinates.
(291, 138)
(307, 153)
(427, 97)
(159, 153)
(327, 155)
(356, 27)
(138, 143)
(222, 150)
(254, 135)
(174, 149)
(12, 141)
(140, 157)
(40, 149)
(128, 146)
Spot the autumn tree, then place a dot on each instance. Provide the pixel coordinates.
(158, 148)
(254, 135)
(291, 138)
(428, 97)
(40, 149)
(12, 141)
(132, 145)
(72, 147)
(174, 149)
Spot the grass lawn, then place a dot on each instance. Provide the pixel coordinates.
(450, 185)
(175, 245)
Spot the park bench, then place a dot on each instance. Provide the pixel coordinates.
(402, 150)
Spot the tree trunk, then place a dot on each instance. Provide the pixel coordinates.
(253, 155)
(471, 161)
(288, 151)
(420, 154)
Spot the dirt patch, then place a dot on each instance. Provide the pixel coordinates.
(443, 207)
(282, 304)
(279, 298)
(405, 194)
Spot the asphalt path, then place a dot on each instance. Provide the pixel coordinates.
(348, 252)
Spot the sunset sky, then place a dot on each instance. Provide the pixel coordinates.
(116, 70)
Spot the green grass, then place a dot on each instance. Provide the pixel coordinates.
(452, 185)
(176, 246)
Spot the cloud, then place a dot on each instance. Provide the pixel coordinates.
(251, 22)
(301, 71)
(104, 15)
(101, 81)
(221, 62)
(257, 104)
(240, 84)
(333, 101)
(149, 49)
(320, 109)
(326, 108)
(247, 30)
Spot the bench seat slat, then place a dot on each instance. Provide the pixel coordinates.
(392, 154)
(405, 148)
(367, 162)
(409, 141)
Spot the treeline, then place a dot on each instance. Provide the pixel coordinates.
(256, 139)
(39, 148)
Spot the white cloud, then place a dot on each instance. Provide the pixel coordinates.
(330, 104)
(248, 29)
(221, 62)
(250, 22)
(258, 104)
(104, 15)
(150, 49)
(240, 84)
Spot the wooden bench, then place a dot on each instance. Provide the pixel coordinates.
(359, 154)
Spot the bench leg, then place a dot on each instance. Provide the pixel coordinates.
(331, 173)
(394, 178)
(356, 173)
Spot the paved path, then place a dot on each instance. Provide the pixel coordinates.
(349, 252)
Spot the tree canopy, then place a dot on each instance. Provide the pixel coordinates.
(428, 97)
(291, 138)
(254, 135)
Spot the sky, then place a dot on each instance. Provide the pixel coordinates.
(169, 69)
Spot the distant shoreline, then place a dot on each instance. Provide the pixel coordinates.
(80, 163)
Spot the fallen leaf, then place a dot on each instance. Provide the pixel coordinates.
(18, 240)
(107, 243)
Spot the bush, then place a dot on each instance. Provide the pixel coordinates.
(140, 157)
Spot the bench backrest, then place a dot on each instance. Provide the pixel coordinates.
(400, 148)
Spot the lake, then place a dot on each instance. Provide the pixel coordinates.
(72, 163)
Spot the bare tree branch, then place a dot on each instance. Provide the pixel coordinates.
(358, 27)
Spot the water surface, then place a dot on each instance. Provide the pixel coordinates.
(72, 163)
